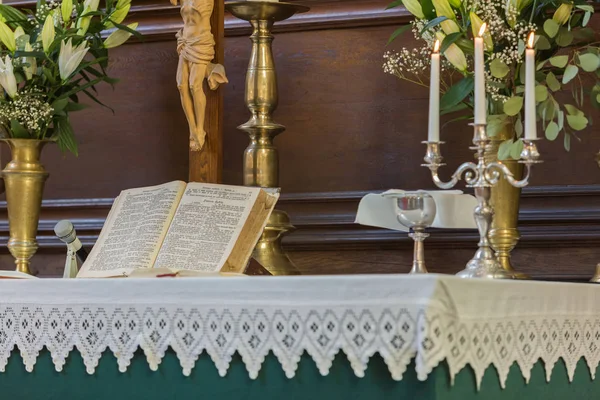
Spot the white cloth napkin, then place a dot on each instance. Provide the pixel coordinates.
(454, 210)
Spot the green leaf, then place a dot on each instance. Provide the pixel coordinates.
(589, 62)
(541, 93)
(516, 149)
(18, 131)
(499, 69)
(572, 110)
(521, 46)
(458, 107)
(567, 142)
(398, 32)
(450, 40)
(551, 27)
(598, 97)
(570, 73)
(565, 37)
(496, 124)
(457, 93)
(543, 43)
(552, 131)
(519, 127)
(577, 122)
(432, 23)
(559, 61)
(547, 110)
(65, 137)
(552, 82)
(59, 105)
(513, 105)
(586, 18)
(585, 7)
(561, 119)
(504, 149)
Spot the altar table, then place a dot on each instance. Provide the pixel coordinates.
(412, 337)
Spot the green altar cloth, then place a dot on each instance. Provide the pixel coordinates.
(139, 382)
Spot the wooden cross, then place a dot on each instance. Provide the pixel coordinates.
(207, 165)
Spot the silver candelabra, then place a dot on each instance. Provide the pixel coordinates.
(482, 177)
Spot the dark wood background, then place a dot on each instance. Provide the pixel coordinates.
(351, 129)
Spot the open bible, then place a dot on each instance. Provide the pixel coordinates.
(192, 228)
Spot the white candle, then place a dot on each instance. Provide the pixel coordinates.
(480, 102)
(530, 122)
(434, 95)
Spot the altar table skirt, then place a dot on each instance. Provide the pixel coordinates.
(168, 383)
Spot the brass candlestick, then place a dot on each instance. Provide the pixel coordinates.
(482, 177)
(261, 159)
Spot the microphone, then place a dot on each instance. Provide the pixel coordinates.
(66, 233)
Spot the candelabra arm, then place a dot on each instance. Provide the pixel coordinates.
(496, 170)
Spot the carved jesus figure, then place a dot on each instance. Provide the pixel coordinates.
(196, 49)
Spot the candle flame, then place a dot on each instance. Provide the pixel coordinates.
(531, 40)
(482, 29)
(436, 46)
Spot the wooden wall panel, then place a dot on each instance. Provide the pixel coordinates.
(350, 129)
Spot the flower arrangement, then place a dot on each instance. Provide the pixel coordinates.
(567, 57)
(50, 57)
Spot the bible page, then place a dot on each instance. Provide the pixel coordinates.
(134, 231)
(206, 226)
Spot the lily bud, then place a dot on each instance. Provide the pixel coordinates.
(476, 24)
(7, 77)
(454, 54)
(8, 38)
(123, 3)
(83, 24)
(29, 70)
(443, 8)
(48, 33)
(91, 5)
(563, 13)
(66, 9)
(414, 7)
(118, 16)
(119, 37)
(70, 57)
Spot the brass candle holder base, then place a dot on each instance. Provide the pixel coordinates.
(269, 252)
(261, 158)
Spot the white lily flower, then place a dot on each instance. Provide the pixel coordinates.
(7, 76)
(119, 37)
(70, 57)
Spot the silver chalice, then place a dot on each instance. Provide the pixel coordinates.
(416, 211)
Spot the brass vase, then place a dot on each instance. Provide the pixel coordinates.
(505, 198)
(24, 177)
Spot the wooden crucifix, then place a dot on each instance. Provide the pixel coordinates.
(199, 74)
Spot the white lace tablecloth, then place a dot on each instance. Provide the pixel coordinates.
(431, 318)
